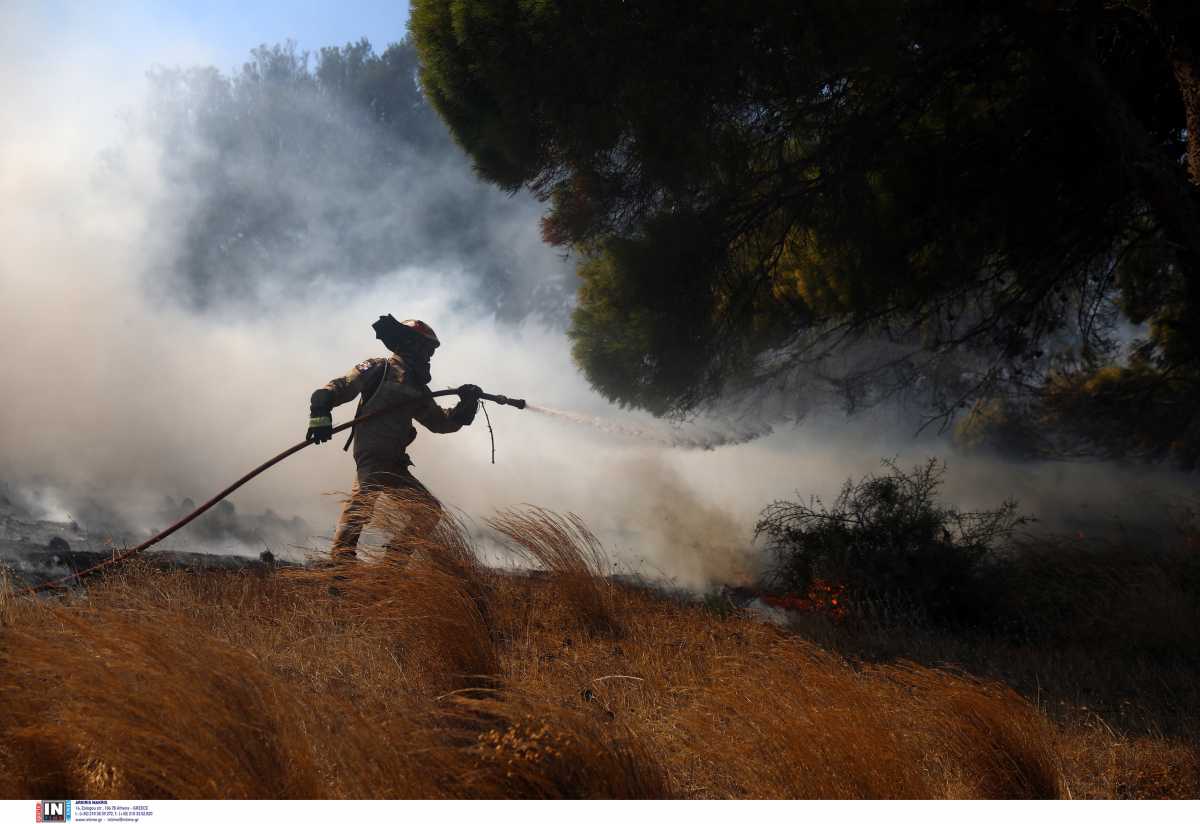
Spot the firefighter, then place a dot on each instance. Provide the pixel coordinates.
(381, 444)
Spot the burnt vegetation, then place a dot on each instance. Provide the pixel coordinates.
(898, 555)
(887, 538)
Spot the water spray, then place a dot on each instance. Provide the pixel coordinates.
(674, 438)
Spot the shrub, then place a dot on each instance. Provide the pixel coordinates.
(886, 538)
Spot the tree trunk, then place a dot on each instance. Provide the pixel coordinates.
(1184, 55)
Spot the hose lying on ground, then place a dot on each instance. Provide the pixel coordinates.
(126, 554)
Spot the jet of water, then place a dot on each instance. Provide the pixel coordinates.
(675, 437)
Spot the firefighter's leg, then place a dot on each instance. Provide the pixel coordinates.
(414, 511)
(355, 515)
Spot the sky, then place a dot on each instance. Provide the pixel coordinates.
(226, 30)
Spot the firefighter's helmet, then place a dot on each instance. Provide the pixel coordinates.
(423, 329)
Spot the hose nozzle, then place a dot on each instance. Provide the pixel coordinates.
(503, 400)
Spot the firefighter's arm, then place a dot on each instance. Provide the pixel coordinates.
(335, 393)
(436, 419)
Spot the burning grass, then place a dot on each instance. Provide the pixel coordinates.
(421, 674)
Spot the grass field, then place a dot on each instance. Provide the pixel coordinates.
(430, 676)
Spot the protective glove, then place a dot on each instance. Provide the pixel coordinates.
(469, 392)
(320, 429)
(468, 404)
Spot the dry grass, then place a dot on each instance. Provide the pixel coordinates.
(427, 675)
(567, 549)
(1108, 592)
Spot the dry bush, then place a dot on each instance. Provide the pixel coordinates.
(567, 549)
(886, 538)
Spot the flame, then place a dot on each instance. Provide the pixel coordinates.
(823, 597)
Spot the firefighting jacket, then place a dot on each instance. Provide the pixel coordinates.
(380, 383)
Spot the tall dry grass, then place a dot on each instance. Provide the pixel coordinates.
(425, 586)
(101, 699)
(419, 673)
(1097, 591)
(800, 723)
(574, 557)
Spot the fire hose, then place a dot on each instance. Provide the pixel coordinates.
(126, 554)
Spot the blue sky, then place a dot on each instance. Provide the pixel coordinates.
(223, 31)
(236, 27)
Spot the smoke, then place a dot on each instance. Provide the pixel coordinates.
(295, 171)
(138, 374)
